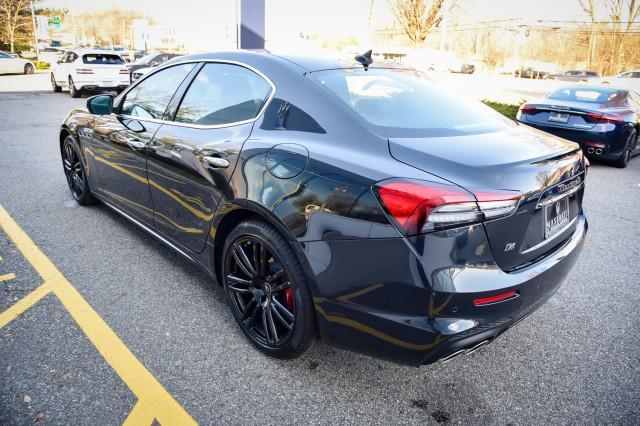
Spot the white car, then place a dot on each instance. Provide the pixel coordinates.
(11, 64)
(627, 80)
(89, 70)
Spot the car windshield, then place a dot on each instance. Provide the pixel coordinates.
(586, 94)
(146, 59)
(102, 59)
(405, 103)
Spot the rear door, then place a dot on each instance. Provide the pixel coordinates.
(192, 158)
(120, 141)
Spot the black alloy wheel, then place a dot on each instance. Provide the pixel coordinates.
(266, 290)
(624, 159)
(75, 173)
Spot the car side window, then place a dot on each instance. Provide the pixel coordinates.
(223, 94)
(4, 55)
(150, 98)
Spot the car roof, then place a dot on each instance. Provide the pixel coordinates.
(92, 51)
(591, 86)
(315, 60)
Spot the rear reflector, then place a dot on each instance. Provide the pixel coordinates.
(595, 144)
(495, 299)
(420, 206)
(124, 71)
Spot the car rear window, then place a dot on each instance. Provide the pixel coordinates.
(587, 94)
(405, 103)
(102, 59)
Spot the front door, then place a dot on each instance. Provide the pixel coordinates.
(121, 140)
(192, 158)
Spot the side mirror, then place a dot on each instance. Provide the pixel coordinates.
(100, 104)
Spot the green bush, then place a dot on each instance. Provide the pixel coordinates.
(42, 65)
(509, 110)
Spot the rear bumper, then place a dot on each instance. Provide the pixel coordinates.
(613, 141)
(396, 303)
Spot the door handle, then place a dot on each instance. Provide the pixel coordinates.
(216, 162)
(135, 144)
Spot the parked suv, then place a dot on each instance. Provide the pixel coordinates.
(89, 70)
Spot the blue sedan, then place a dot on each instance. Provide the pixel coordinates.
(603, 120)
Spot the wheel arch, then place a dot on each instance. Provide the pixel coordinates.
(236, 211)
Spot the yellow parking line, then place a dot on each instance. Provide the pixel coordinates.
(140, 415)
(25, 303)
(7, 277)
(140, 381)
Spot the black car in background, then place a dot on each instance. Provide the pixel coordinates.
(355, 202)
(151, 60)
(605, 121)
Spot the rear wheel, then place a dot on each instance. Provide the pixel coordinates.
(267, 290)
(54, 85)
(75, 93)
(74, 171)
(28, 69)
(623, 160)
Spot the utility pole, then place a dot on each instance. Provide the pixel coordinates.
(35, 32)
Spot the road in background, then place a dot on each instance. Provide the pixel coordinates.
(575, 360)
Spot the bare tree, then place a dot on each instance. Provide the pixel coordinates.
(418, 18)
(14, 16)
(621, 16)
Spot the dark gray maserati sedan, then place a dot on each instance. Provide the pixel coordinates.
(349, 201)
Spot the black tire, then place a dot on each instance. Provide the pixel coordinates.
(75, 173)
(623, 161)
(277, 318)
(75, 93)
(54, 85)
(28, 69)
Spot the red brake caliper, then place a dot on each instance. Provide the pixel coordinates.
(288, 298)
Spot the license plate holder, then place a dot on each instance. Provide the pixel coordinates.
(556, 217)
(558, 117)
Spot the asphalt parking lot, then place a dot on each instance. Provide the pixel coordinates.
(129, 331)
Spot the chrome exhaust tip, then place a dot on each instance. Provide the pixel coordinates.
(464, 351)
(599, 151)
(590, 151)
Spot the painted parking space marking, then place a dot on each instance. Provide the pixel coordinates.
(154, 402)
(7, 277)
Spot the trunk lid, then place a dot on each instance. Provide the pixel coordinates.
(554, 112)
(539, 166)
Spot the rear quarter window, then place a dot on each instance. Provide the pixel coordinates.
(102, 59)
(405, 103)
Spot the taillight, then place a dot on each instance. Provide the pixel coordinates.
(420, 206)
(84, 71)
(596, 117)
(124, 71)
(528, 109)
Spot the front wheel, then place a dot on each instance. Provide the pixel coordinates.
(75, 93)
(267, 290)
(75, 173)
